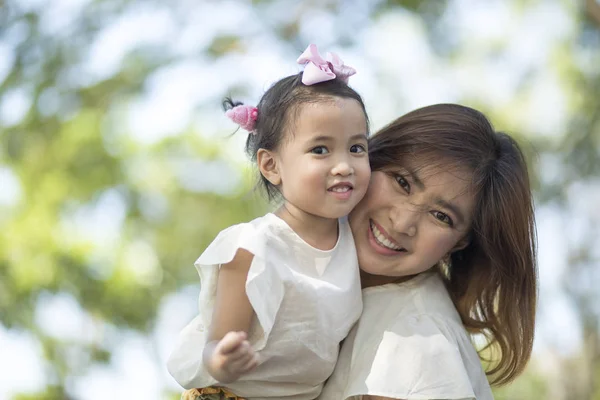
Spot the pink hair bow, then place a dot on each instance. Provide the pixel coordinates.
(244, 116)
(318, 69)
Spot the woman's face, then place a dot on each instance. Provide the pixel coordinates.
(411, 217)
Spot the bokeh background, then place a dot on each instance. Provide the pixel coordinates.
(117, 165)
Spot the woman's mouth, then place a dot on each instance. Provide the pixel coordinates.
(381, 240)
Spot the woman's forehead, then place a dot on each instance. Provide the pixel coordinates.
(431, 164)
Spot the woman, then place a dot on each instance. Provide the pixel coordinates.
(446, 244)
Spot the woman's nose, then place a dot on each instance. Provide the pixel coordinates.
(405, 218)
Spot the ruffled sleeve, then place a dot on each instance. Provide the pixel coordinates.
(263, 287)
(418, 357)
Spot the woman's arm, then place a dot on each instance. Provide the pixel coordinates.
(227, 354)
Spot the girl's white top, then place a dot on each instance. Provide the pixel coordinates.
(305, 301)
(408, 344)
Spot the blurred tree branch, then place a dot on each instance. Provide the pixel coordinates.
(593, 9)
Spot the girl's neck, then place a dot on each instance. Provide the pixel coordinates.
(319, 232)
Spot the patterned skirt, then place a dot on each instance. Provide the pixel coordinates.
(210, 393)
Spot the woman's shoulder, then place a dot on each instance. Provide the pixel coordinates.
(432, 298)
(423, 295)
(413, 344)
(412, 310)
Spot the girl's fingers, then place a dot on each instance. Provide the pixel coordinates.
(239, 357)
(245, 363)
(252, 363)
(241, 352)
(231, 341)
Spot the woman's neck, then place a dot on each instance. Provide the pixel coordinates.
(369, 280)
(319, 232)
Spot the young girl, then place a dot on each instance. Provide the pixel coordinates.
(279, 293)
(445, 238)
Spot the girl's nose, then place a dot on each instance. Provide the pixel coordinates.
(342, 168)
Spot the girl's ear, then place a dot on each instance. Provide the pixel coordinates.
(268, 166)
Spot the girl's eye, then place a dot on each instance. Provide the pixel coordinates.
(357, 148)
(402, 182)
(443, 218)
(320, 150)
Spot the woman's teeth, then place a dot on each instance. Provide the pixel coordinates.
(382, 240)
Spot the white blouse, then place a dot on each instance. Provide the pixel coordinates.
(305, 301)
(408, 344)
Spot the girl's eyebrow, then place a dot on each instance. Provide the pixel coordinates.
(360, 136)
(324, 138)
(321, 138)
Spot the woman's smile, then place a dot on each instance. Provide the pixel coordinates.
(383, 240)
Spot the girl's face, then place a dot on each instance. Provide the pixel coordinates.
(323, 166)
(410, 219)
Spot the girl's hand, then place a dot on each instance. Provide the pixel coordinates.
(229, 358)
(227, 354)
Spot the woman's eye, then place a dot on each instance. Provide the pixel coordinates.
(320, 150)
(357, 148)
(443, 217)
(402, 182)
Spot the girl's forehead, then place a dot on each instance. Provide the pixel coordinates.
(327, 109)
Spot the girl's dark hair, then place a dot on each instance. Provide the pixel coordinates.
(278, 108)
(493, 281)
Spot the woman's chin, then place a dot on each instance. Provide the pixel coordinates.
(374, 267)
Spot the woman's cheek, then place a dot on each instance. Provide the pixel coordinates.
(443, 246)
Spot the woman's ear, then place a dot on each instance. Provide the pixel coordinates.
(462, 243)
(268, 166)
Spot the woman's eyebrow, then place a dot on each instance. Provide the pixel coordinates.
(453, 208)
(415, 178)
(439, 201)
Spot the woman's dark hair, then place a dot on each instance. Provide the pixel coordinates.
(278, 108)
(493, 281)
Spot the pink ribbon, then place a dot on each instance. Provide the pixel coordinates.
(318, 69)
(244, 116)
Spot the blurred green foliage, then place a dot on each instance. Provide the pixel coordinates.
(70, 153)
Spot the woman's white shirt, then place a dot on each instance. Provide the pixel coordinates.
(306, 301)
(408, 344)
